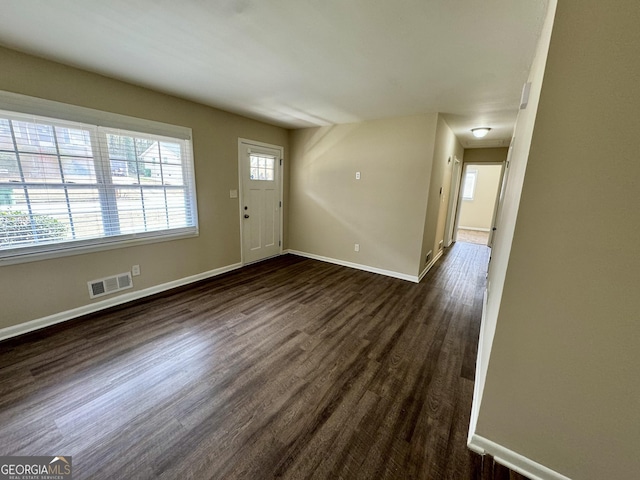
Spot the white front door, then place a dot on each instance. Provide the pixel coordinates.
(260, 200)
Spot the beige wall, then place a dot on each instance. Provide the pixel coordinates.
(384, 211)
(485, 155)
(34, 290)
(446, 147)
(562, 385)
(478, 213)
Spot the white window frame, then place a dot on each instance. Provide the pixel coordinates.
(474, 174)
(55, 111)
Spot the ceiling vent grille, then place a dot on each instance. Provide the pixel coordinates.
(108, 285)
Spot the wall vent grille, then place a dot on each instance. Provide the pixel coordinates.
(108, 285)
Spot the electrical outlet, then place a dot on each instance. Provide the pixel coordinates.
(356, 247)
(135, 270)
(357, 175)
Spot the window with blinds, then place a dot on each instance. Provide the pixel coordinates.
(66, 186)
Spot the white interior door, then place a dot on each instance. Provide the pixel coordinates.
(498, 202)
(260, 200)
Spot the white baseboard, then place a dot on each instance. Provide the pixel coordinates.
(39, 323)
(480, 229)
(430, 264)
(366, 268)
(513, 460)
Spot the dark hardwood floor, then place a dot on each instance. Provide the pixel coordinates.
(290, 368)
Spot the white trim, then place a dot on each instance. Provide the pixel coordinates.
(429, 265)
(513, 460)
(39, 323)
(358, 266)
(480, 229)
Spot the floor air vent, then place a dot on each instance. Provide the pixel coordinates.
(105, 286)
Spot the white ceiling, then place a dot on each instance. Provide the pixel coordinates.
(299, 63)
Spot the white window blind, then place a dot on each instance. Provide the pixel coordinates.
(67, 186)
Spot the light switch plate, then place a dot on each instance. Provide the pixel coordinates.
(233, 193)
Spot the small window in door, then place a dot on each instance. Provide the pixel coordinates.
(262, 167)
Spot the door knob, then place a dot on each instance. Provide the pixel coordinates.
(246, 216)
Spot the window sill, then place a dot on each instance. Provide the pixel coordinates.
(93, 248)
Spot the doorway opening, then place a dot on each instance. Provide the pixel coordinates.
(479, 192)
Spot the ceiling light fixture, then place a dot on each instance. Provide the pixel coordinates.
(480, 132)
